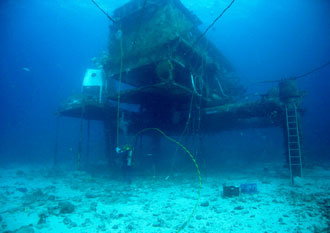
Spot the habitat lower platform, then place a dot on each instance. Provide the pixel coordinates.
(258, 114)
(91, 109)
(92, 112)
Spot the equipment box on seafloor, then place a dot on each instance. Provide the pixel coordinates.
(249, 188)
(230, 191)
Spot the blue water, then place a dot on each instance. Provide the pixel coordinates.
(46, 46)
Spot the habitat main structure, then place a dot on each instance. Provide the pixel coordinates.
(177, 79)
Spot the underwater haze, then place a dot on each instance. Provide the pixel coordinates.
(46, 47)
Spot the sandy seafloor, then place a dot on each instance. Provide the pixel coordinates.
(38, 199)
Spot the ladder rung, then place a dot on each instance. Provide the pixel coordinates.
(294, 156)
(294, 145)
(293, 142)
(292, 128)
(296, 164)
(293, 149)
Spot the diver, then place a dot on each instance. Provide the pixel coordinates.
(126, 165)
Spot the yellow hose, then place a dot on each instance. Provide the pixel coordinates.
(196, 165)
(119, 84)
(162, 133)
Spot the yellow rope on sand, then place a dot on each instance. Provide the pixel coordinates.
(196, 165)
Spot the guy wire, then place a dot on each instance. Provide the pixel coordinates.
(212, 24)
(103, 11)
(297, 77)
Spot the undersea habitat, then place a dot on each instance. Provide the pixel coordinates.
(164, 116)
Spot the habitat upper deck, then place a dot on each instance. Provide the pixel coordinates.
(158, 42)
(156, 31)
(133, 9)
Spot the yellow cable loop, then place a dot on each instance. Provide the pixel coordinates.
(118, 97)
(162, 133)
(197, 168)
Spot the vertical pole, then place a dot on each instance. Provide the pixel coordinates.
(88, 141)
(110, 141)
(285, 142)
(288, 143)
(119, 84)
(80, 137)
(138, 150)
(106, 140)
(301, 140)
(155, 150)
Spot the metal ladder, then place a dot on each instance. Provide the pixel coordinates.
(294, 146)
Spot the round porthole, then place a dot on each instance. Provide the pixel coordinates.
(93, 75)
